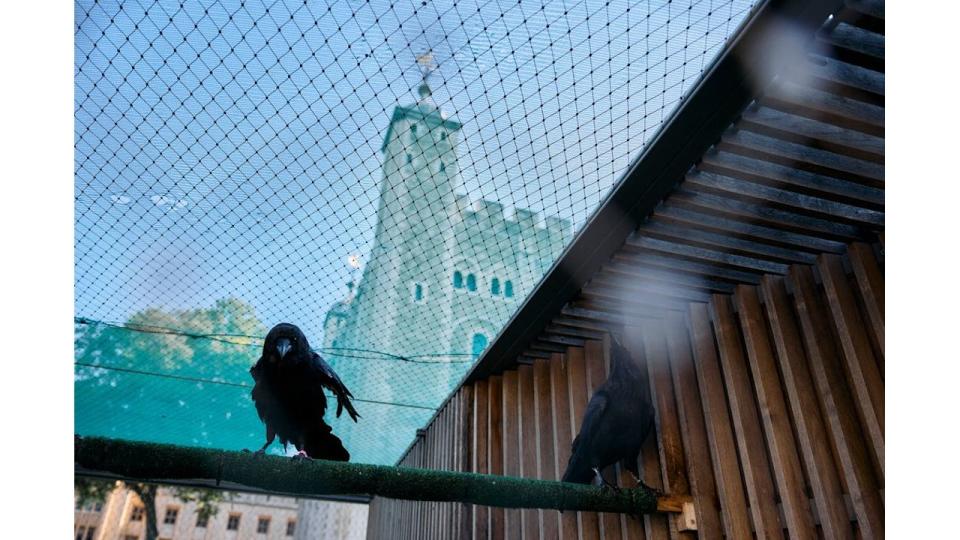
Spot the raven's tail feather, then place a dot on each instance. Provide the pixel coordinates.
(321, 443)
(343, 401)
(578, 471)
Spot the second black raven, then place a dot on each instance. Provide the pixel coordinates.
(619, 417)
(289, 395)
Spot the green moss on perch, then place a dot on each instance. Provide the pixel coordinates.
(317, 478)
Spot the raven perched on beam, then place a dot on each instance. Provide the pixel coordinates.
(618, 419)
(288, 393)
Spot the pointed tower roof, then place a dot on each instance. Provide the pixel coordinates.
(425, 109)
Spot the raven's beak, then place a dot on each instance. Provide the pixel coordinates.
(283, 347)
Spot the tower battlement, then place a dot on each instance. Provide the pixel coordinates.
(491, 215)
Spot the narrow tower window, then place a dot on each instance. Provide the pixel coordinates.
(508, 288)
(457, 280)
(409, 159)
(495, 287)
(471, 283)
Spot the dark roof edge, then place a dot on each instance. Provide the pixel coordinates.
(735, 76)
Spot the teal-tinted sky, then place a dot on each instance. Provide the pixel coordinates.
(232, 149)
(228, 150)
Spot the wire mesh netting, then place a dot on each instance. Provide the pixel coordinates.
(393, 177)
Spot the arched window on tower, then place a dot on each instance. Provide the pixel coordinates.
(409, 159)
(471, 283)
(443, 166)
(457, 280)
(477, 344)
(495, 287)
(508, 288)
(413, 129)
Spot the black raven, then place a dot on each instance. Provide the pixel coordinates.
(618, 419)
(288, 393)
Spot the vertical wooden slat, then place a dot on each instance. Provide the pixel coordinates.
(546, 455)
(511, 445)
(384, 515)
(529, 518)
(810, 428)
(669, 447)
(466, 457)
(456, 446)
(427, 508)
(631, 526)
(432, 450)
(862, 368)
(869, 281)
(403, 511)
(415, 526)
(435, 458)
(448, 445)
(695, 445)
(836, 402)
(773, 411)
(595, 359)
(481, 517)
(404, 508)
(417, 505)
(373, 517)
(440, 446)
(746, 421)
(495, 457)
(655, 525)
(562, 433)
(577, 377)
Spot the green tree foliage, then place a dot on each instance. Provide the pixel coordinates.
(152, 349)
(94, 490)
(153, 383)
(115, 401)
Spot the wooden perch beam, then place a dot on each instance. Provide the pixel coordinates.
(162, 463)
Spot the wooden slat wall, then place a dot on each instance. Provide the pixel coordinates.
(754, 299)
(758, 417)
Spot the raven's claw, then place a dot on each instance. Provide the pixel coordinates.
(604, 483)
(301, 456)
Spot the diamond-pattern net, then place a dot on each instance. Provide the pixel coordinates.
(393, 177)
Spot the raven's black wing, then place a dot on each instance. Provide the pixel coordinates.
(263, 399)
(579, 466)
(326, 377)
(257, 370)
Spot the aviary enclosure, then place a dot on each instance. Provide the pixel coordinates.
(737, 245)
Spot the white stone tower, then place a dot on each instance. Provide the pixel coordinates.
(443, 275)
(401, 294)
